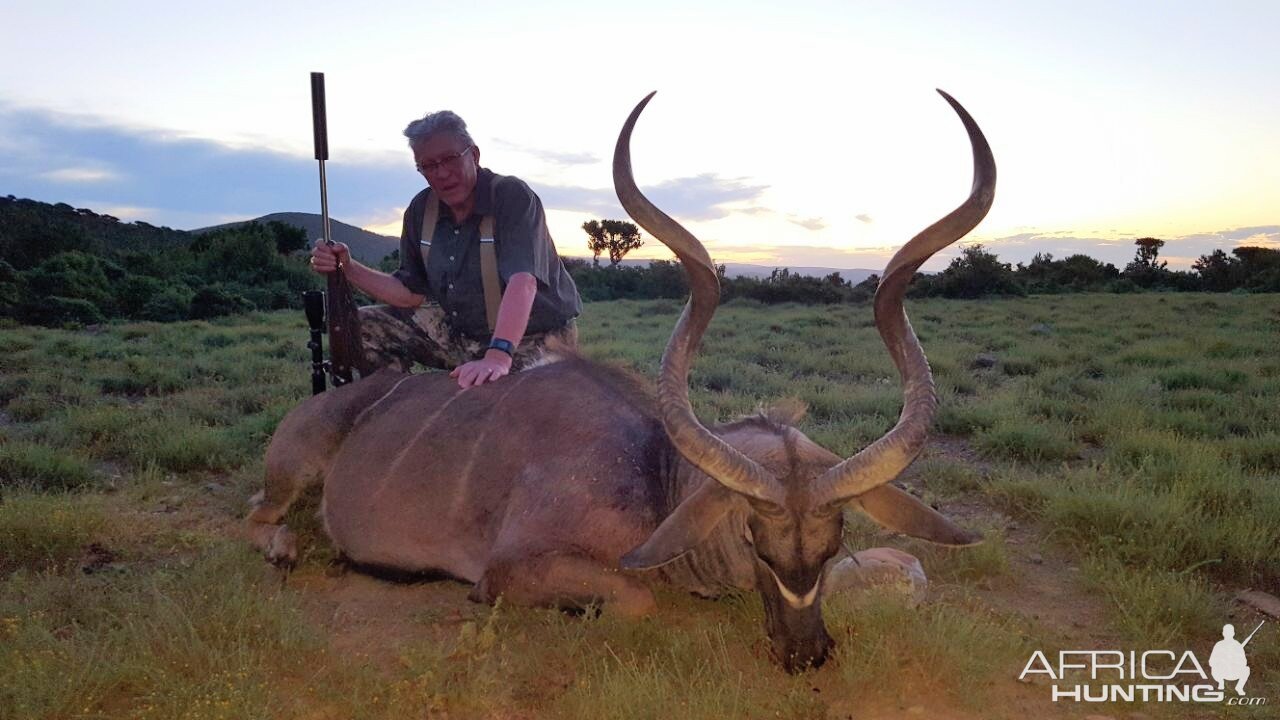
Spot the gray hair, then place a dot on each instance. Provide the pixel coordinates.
(437, 122)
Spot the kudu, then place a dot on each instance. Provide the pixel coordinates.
(570, 483)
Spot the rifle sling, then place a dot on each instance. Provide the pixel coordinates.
(488, 256)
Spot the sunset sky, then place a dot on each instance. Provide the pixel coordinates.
(798, 133)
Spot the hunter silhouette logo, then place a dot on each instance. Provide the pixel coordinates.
(1227, 662)
(1150, 675)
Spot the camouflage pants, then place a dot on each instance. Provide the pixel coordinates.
(398, 337)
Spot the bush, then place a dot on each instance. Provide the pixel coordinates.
(76, 275)
(784, 286)
(662, 279)
(135, 292)
(173, 303)
(976, 273)
(216, 301)
(13, 290)
(1075, 273)
(59, 311)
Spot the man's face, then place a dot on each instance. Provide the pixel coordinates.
(449, 165)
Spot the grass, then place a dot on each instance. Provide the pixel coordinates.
(199, 639)
(1156, 607)
(1137, 438)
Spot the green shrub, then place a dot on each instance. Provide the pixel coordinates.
(215, 301)
(61, 311)
(136, 292)
(172, 303)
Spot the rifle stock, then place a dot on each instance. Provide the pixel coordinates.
(346, 352)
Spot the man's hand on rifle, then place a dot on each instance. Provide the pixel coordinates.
(327, 258)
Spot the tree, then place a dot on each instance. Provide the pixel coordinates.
(1218, 271)
(1071, 274)
(1149, 252)
(618, 237)
(1146, 269)
(289, 239)
(1259, 268)
(976, 273)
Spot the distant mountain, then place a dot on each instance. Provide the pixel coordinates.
(851, 275)
(367, 247)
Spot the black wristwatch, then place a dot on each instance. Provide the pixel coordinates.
(503, 345)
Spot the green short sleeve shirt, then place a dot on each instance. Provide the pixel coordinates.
(522, 243)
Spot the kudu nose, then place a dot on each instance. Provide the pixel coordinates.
(799, 656)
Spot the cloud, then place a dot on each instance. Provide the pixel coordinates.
(598, 201)
(864, 218)
(1255, 235)
(700, 197)
(552, 156)
(127, 211)
(190, 182)
(79, 175)
(182, 182)
(813, 223)
(703, 197)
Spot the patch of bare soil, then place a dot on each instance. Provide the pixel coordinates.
(372, 619)
(1045, 586)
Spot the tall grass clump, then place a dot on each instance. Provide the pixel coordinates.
(36, 466)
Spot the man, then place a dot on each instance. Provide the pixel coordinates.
(1228, 662)
(436, 313)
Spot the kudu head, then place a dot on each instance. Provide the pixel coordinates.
(794, 492)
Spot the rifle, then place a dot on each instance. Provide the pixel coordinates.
(1255, 632)
(313, 304)
(345, 349)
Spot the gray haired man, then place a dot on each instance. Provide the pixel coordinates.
(435, 310)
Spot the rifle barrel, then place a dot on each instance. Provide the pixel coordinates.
(1255, 632)
(320, 133)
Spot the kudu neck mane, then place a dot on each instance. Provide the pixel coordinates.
(723, 561)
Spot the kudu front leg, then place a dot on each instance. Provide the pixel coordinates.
(564, 582)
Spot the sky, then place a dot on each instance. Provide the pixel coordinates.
(801, 133)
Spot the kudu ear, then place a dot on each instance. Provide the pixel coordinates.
(684, 529)
(901, 512)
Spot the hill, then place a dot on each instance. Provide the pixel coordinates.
(31, 230)
(367, 247)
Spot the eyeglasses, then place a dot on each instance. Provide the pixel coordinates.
(450, 161)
